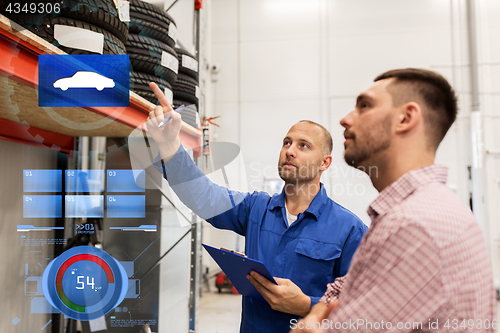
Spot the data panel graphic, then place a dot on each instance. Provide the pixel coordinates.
(126, 180)
(84, 181)
(42, 180)
(42, 206)
(126, 206)
(85, 283)
(84, 206)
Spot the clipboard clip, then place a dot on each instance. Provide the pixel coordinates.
(232, 251)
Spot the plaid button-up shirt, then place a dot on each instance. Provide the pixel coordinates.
(422, 266)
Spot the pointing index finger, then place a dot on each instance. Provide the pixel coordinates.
(161, 97)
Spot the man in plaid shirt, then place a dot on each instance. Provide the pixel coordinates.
(423, 264)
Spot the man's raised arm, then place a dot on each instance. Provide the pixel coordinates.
(207, 199)
(167, 137)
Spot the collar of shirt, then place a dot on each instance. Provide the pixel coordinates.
(315, 208)
(404, 186)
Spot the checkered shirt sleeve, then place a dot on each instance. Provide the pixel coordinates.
(333, 290)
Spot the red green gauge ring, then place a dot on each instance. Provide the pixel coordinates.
(84, 283)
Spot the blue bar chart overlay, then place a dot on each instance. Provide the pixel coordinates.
(143, 227)
(29, 227)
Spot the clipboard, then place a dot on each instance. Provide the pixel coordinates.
(237, 267)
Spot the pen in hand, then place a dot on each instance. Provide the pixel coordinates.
(179, 109)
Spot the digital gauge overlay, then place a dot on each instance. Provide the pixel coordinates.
(84, 283)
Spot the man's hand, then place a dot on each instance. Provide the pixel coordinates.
(286, 296)
(310, 323)
(166, 137)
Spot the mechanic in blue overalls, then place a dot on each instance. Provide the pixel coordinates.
(304, 238)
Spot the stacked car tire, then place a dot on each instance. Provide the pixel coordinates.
(186, 87)
(98, 16)
(150, 46)
(154, 58)
(186, 90)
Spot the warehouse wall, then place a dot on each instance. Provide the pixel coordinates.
(489, 90)
(283, 61)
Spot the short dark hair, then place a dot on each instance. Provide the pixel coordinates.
(328, 144)
(430, 88)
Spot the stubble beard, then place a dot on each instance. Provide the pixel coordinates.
(299, 174)
(376, 141)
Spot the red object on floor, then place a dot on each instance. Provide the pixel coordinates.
(222, 282)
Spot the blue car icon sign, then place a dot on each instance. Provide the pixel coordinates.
(84, 79)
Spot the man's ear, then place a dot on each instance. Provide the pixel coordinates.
(326, 162)
(409, 117)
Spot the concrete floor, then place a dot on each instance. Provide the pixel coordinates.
(219, 313)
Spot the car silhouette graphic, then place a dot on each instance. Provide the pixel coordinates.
(84, 79)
